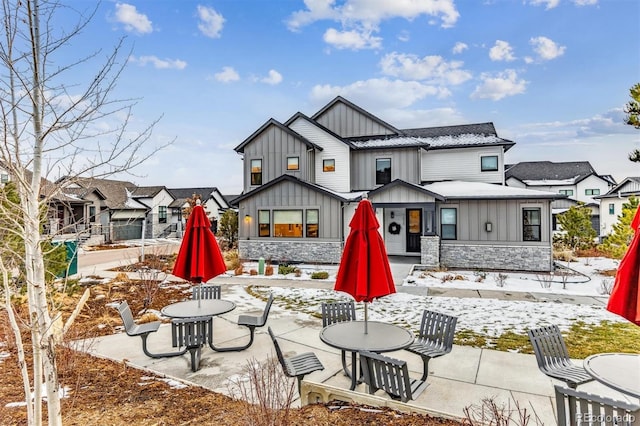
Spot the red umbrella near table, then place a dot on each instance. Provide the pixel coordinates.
(625, 297)
(199, 258)
(364, 270)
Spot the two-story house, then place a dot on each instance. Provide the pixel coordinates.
(438, 192)
(611, 203)
(214, 203)
(576, 179)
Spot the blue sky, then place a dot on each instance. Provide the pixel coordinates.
(552, 75)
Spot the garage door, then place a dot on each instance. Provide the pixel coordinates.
(127, 229)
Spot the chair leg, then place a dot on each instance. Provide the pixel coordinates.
(195, 358)
(425, 363)
(344, 364)
(163, 355)
(233, 348)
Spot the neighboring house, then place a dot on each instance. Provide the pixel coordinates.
(157, 199)
(438, 192)
(611, 203)
(576, 179)
(213, 201)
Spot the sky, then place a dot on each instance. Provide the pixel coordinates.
(552, 75)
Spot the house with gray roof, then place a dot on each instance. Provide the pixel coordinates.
(439, 192)
(214, 203)
(611, 203)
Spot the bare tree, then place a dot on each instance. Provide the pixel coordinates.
(51, 121)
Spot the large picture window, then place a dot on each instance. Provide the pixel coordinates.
(256, 172)
(383, 171)
(449, 223)
(312, 223)
(287, 223)
(531, 224)
(489, 163)
(264, 223)
(162, 214)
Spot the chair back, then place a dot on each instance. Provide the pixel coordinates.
(190, 332)
(206, 291)
(549, 347)
(279, 352)
(438, 329)
(333, 312)
(127, 317)
(386, 373)
(265, 313)
(580, 408)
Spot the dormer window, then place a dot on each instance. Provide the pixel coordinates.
(256, 172)
(383, 171)
(489, 163)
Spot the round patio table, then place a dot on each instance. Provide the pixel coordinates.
(349, 336)
(198, 308)
(619, 371)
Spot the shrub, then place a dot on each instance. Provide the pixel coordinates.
(320, 275)
(284, 269)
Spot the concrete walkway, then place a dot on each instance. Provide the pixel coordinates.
(461, 379)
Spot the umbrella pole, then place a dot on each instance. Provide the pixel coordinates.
(199, 292)
(366, 330)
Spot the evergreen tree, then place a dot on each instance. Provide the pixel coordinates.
(228, 228)
(616, 244)
(632, 109)
(576, 224)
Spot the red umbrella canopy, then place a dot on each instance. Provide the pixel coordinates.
(625, 297)
(199, 258)
(364, 270)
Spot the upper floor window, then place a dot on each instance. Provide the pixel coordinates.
(4, 178)
(293, 163)
(383, 171)
(256, 172)
(448, 223)
(329, 165)
(567, 192)
(531, 224)
(162, 214)
(489, 163)
(287, 223)
(264, 223)
(591, 192)
(612, 208)
(312, 223)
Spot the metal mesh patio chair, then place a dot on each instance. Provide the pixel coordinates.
(206, 291)
(553, 358)
(191, 333)
(296, 366)
(435, 338)
(390, 375)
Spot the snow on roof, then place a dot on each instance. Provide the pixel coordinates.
(551, 182)
(481, 190)
(448, 141)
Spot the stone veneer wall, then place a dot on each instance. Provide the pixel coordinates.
(291, 251)
(430, 251)
(518, 258)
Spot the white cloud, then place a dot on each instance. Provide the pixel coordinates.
(227, 75)
(460, 47)
(353, 39)
(159, 63)
(550, 3)
(381, 91)
(501, 51)
(585, 2)
(211, 22)
(432, 68)
(546, 48)
(500, 85)
(133, 21)
(404, 36)
(274, 78)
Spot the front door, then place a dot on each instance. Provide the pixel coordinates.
(414, 229)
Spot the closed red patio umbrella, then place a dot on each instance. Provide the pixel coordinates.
(625, 297)
(364, 270)
(199, 258)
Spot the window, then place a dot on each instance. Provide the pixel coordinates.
(293, 163)
(531, 224)
(256, 172)
(567, 192)
(287, 223)
(591, 192)
(329, 165)
(264, 223)
(312, 223)
(162, 214)
(92, 213)
(448, 224)
(489, 163)
(612, 208)
(4, 178)
(383, 171)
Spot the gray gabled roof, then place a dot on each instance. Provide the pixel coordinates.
(464, 190)
(273, 122)
(117, 196)
(340, 99)
(145, 191)
(563, 172)
(180, 195)
(400, 182)
(620, 190)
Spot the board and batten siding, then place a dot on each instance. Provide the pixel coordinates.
(348, 122)
(460, 164)
(273, 146)
(292, 196)
(505, 217)
(405, 164)
(332, 149)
